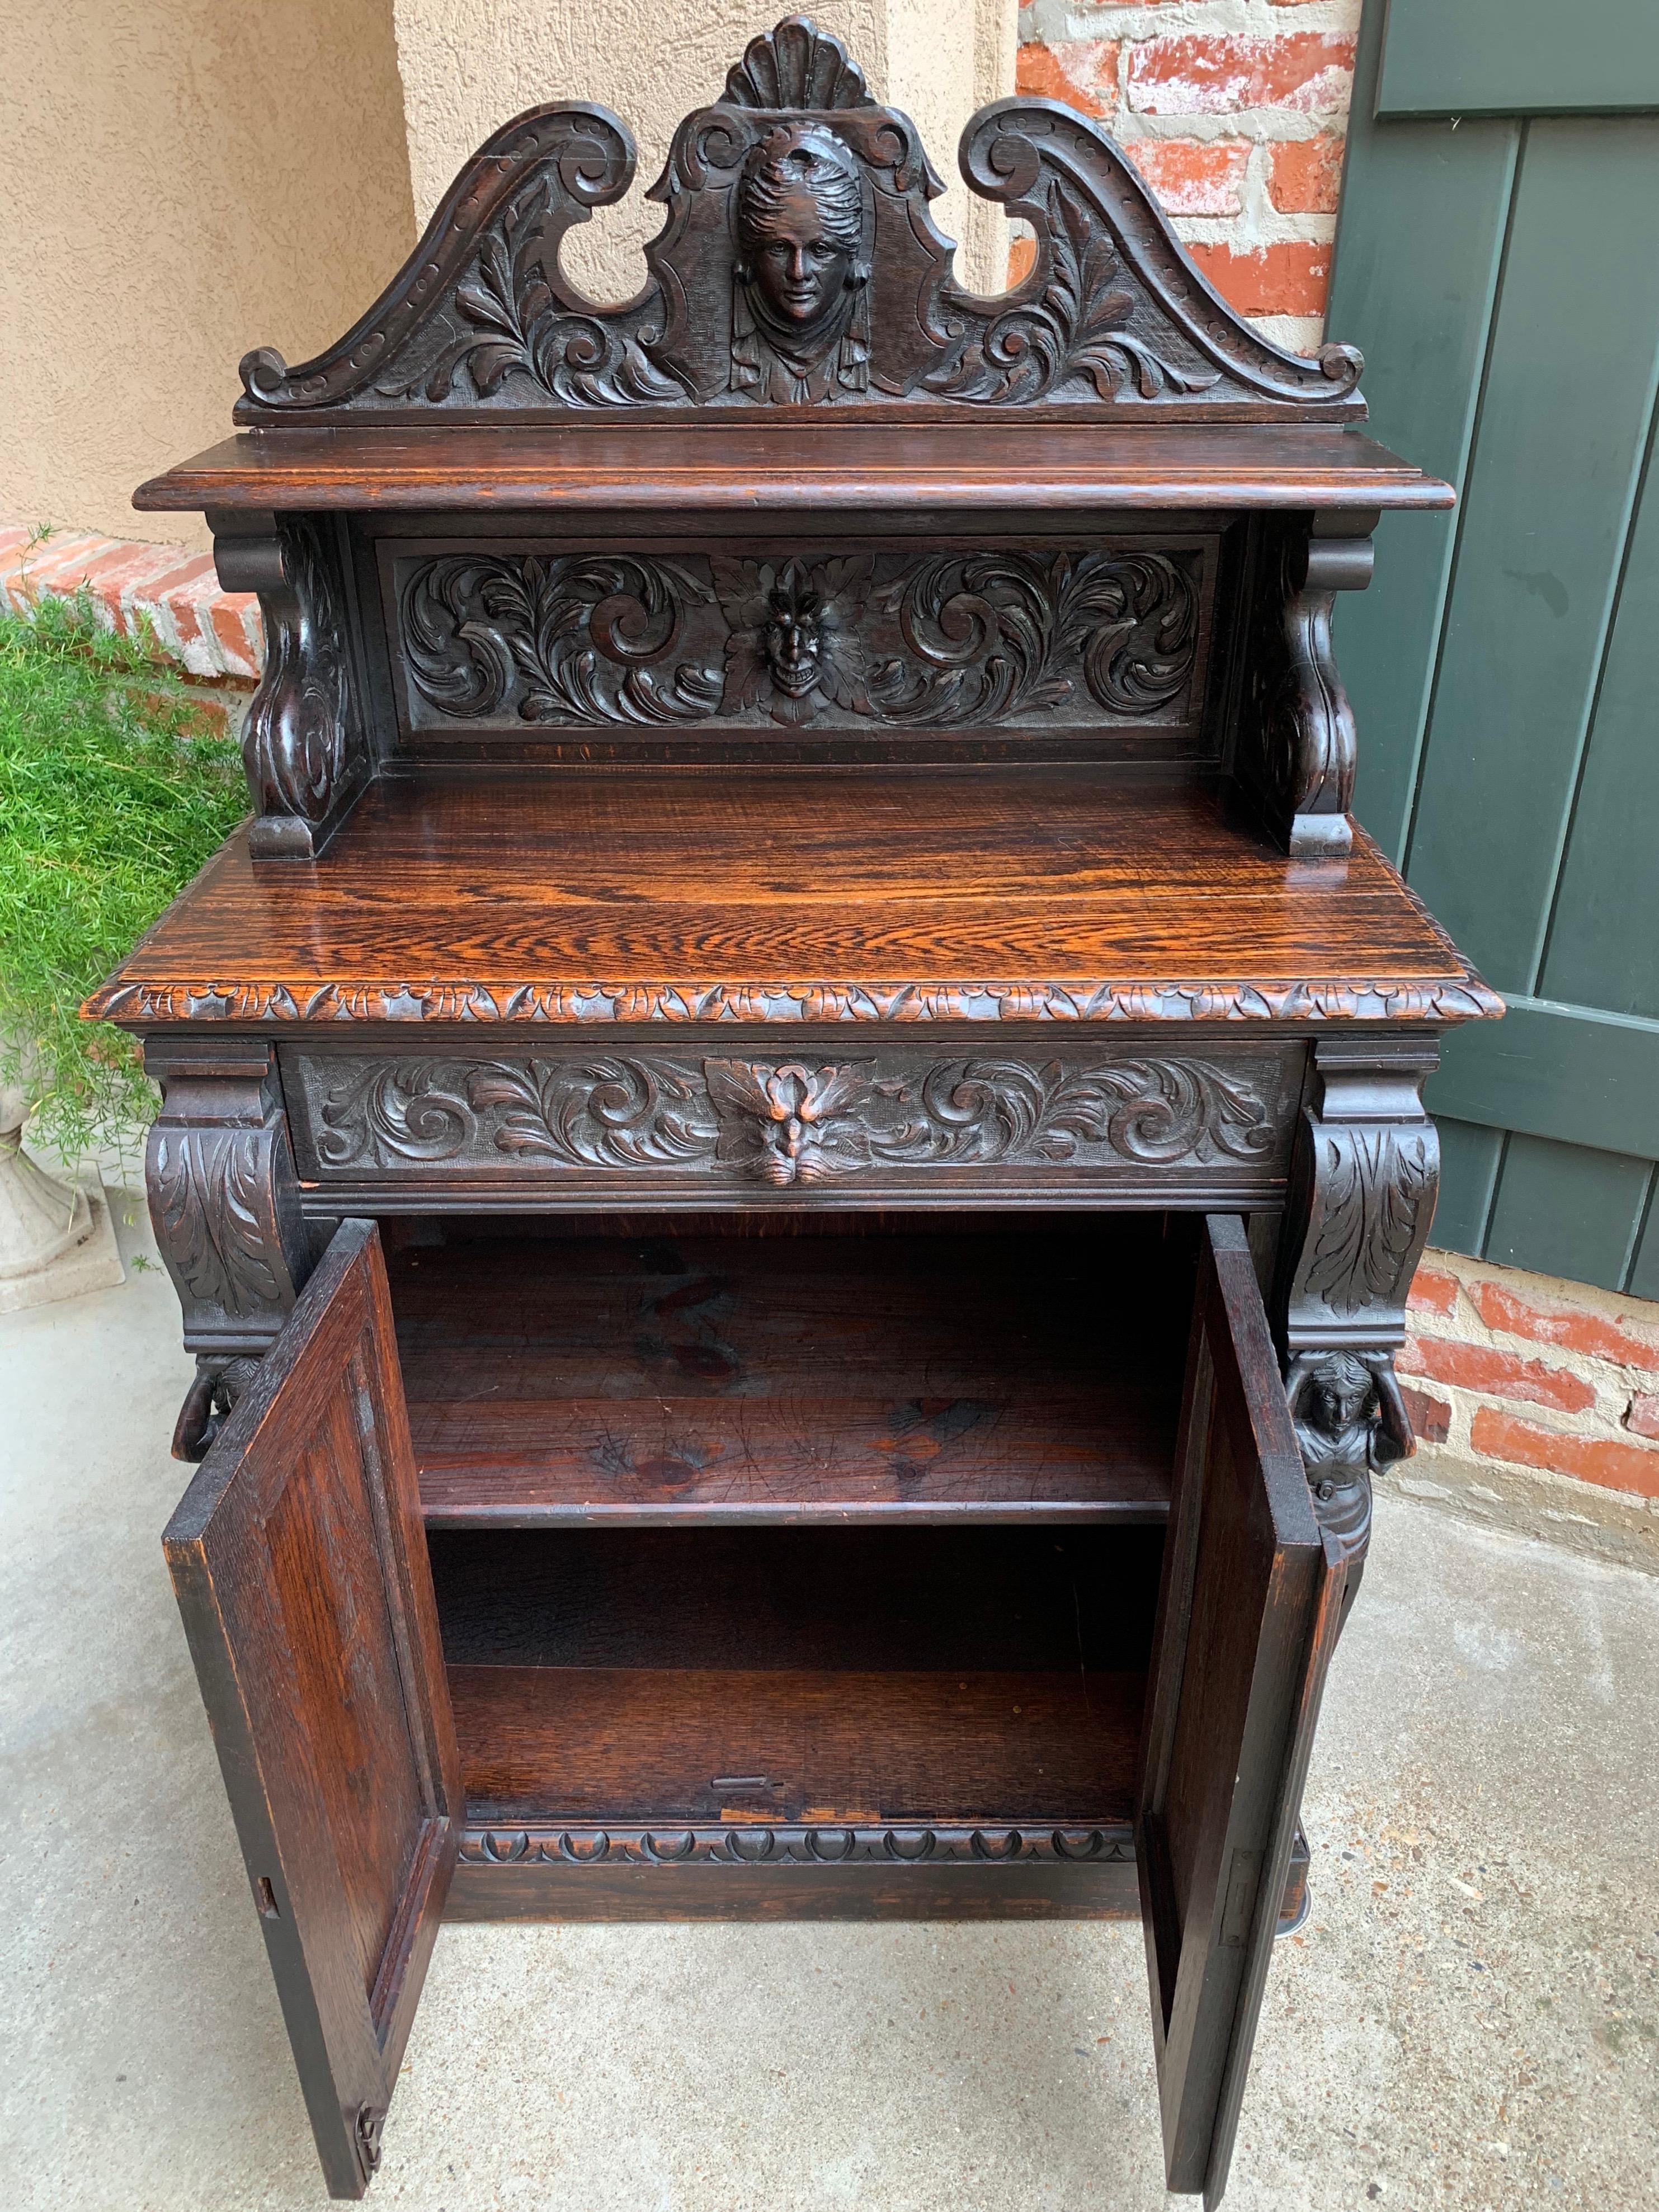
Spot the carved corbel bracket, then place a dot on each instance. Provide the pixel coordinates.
(1364, 1180)
(305, 742)
(1298, 747)
(225, 1205)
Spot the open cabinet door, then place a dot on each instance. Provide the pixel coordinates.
(299, 1563)
(1246, 1621)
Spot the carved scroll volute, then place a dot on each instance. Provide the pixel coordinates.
(225, 1207)
(1298, 747)
(305, 745)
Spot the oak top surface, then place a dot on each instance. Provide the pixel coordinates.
(703, 894)
(714, 467)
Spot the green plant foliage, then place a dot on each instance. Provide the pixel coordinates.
(115, 787)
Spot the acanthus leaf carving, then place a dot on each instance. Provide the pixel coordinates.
(1376, 1186)
(571, 638)
(480, 323)
(859, 639)
(213, 1218)
(785, 1122)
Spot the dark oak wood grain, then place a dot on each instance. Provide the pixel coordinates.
(300, 1571)
(800, 838)
(1247, 1617)
(672, 895)
(717, 469)
(687, 1379)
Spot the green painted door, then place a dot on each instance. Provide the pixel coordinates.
(1497, 261)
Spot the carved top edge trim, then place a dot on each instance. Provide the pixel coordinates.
(1114, 308)
(135, 1004)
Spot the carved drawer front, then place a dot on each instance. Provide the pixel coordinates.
(730, 1126)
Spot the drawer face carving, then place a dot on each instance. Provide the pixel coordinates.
(885, 1119)
(828, 639)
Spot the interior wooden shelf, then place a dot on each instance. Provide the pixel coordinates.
(968, 1675)
(931, 1375)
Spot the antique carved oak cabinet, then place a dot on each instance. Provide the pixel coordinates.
(791, 1142)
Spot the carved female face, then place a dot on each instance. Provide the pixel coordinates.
(1341, 1390)
(800, 228)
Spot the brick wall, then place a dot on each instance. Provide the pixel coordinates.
(1234, 111)
(1548, 1389)
(217, 637)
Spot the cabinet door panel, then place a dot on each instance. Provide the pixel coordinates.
(1246, 1621)
(299, 1563)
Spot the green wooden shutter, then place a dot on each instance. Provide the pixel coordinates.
(1497, 261)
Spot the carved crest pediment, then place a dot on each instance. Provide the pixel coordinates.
(799, 265)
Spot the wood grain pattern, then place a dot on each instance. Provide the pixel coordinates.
(684, 1379)
(300, 1571)
(718, 470)
(812, 894)
(1247, 1617)
(611, 1742)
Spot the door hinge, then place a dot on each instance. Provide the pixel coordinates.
(371, 2124)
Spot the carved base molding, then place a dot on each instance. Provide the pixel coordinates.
(743, 1843)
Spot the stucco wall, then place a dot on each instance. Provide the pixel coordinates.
(467, 65)
(179, 180)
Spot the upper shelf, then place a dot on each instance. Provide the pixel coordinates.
(719, 466)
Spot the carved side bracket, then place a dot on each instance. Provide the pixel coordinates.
(1362, 1186)
(1297, 742)
(305, 742)
(225, 1205)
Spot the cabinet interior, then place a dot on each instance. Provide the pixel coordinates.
(677, 1477)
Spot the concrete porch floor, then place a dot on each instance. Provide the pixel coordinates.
(1470, 2018)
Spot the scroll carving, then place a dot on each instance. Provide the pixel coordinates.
(787, 1122)
(1298, 748)
(305, 745)
(799, 266)
(224, 1204)
(871, 639)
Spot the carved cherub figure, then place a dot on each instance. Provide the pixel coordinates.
(1350, 1420)
(800, 317)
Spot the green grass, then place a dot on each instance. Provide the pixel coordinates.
(114, 788)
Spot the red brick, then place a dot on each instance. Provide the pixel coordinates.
(1193, 74)
(1083, 72)
(1291, 279)
(1433, 1292)
(1304, 175)
(1191, 177)
(1431, 1418)
(227, 611)
(1499, 1374)
(1601, 1460)
(1551, 1321)
(1022, 259)
(1642, 1415)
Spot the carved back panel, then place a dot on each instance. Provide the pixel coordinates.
(773, 646)
(800, 266)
